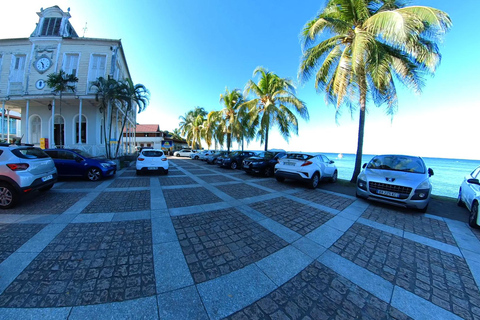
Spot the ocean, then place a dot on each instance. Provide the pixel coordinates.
(447, 178)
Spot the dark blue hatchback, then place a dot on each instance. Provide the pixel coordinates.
(78, 163)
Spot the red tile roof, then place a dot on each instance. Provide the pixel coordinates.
(147, 128)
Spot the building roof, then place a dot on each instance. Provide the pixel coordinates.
(147, 128)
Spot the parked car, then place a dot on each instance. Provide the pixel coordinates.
(234, 160)
(78, 163)
(396, 179)
(203, 155)
(469, 196)
(153, 160)
(183, 153)
(264, 162)
(199, 154)
(212, 159)
(308, 167)
(23, 168)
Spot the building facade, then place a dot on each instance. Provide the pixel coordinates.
(76, 120)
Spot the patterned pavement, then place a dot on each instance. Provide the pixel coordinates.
(211, 243)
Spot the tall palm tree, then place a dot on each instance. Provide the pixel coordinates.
(108, 93)
(194, 131)
(228, 116)
(361, 49)
(131, 95)
(189, 117)
(214, 129)
(275, 97)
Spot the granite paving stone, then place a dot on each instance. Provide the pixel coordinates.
(216, 178)
(415, 223)
(191, 197)
(174, 172)
(120, 201)
(439, 277)
(76, 184)
(218, 242)
(130, 183)
(86, 264)
(325, 199)
(241, 190)
(128, 173)
(318, 293)
(176, 181)
(294, 215)
(13, 236)
(274, 184)
(49, 202)
(199, 171)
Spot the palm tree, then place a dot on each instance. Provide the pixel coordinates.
(189, 117)
(360, 47)
(275, 97)
(131, 95)
(228, 116)
(107, 92)
(214, 129)
(194, 132)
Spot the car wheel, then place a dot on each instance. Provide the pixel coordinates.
(460, 202)
(334, 178)
(94, 174)
(8, 196)
(472, 220)
(234, 165)
(313, 183)
(46, 188)
(268, 172)
(177, 155)
(195, 158)
(280, 179)
(165, 171)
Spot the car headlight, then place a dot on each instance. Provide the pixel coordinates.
(105, 165)
(362, 184)
(422, 192)
(424, 185)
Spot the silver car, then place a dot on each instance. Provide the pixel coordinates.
(23, 169)
(469, 196)
(396, 179)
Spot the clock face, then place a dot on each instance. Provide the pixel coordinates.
(42, 64)
(40, 84)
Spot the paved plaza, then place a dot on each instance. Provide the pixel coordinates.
(209, 243)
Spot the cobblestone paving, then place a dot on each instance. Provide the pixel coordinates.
(219, 242)
(325, 199)
(173, 172)
(294, 215)
(127, 174)
(120, 201)
(176, 181)
(412, 222)
(241, 191)
(274, 184)
(130, 183)
(437, 276)
(239, 174)
(88, 263)
(48, 202)
(13, 236)
(194, 196)
(319, 293)
(216, 178)
(78, 185)
(199, 171)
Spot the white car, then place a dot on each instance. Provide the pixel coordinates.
(151, 160)
(308, 167)
(469, 196)
(204, 154)
(396, 179)
(183, 153)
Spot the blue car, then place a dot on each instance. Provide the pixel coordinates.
(78, 163)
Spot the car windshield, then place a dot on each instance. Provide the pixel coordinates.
(299, 156)
(152, 153)
(397, 163)
(30, 153)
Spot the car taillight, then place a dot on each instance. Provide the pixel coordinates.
(164, 159)
(18, 166)
(307, 163)
(140, 159)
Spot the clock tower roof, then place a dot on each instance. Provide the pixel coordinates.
(53, 22)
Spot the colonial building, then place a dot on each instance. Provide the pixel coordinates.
(75, 121)
(148, 135)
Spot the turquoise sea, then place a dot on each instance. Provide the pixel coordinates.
(448, 173)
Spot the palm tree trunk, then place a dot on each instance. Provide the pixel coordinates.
(358, 157)
(266, 139)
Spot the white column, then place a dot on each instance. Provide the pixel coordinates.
(27, 140)
(51, 140)
(3, 119)
(8, 125)
(80, 118)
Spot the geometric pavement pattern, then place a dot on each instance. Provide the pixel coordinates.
(212, 243)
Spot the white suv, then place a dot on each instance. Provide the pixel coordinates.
(23, 168)
(152, 160)
(183, 153)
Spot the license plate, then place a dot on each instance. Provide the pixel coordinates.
(289, 163)
(388, 193)
(152, 168)
(49, 177)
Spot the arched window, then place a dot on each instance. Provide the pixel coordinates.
(59, 131)
(35, 129)
(83, 129)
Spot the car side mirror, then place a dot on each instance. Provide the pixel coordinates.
(78, 159)
(364, 166)
(473, 181)
(430, 172)
(331, 161)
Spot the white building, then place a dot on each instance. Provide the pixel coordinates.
(76, 121)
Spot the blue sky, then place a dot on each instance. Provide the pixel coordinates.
(187, 52)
